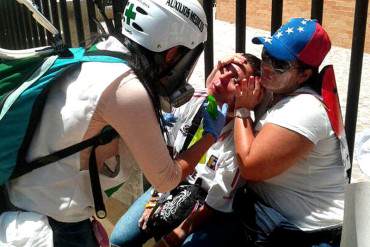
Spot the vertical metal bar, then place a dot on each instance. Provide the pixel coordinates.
(92, 16)
(358, 41)
(25, 24)
(33, 28)
(240, 23)
(317, 10)
(276, 15)
(3, 26)
(12, 30)
(208, 51)
(46, 13)
(54, 14)
(117, 14)
(20, 27)
(40, 29)
(65, 24)
(79, 23)
(11, 34)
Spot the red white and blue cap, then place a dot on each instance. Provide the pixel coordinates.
(299, 39)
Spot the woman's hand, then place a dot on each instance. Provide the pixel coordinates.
(249, 93)
(236, 58)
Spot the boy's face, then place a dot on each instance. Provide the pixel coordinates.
(222, 85)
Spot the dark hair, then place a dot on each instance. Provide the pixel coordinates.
(254, 62)
(314, 81)
(143, 62)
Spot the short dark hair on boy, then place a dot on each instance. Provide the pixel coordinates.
(254, 62)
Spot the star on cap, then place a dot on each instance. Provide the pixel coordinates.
(267, 40)
(289, 30)
(300, 29)
(279, 34)
(304, 22)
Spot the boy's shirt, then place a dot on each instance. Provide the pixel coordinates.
(217, 169)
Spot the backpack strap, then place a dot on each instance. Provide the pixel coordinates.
(115, 54)
(105, 136)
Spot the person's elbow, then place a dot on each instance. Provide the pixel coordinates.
(168, 179)
(249, 175)
(249, 171)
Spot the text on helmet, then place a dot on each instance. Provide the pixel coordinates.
(187, 12)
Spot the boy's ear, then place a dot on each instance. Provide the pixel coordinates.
(171, 55)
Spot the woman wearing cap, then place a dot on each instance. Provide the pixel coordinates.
(290, 155)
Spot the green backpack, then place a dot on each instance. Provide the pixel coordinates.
(24, 86)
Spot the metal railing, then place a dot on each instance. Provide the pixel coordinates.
(20, 31)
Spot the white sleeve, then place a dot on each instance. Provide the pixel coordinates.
(127, 107)
(304, 114)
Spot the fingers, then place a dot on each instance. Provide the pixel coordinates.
(251, 83)
(257, 83)
(237, 58)
(238, 90)
(226, 77)
(259, 90)
(249, 92)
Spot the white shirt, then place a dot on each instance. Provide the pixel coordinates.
(310, 194)
(218, 171)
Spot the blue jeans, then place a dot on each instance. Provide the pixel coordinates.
(220, 231)
(127, 232)
(77, 234)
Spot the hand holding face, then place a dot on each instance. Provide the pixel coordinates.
(249, 93)
(236, 58)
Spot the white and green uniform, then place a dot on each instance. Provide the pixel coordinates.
(78, 108)
(218, 171)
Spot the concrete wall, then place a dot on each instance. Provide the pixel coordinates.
(338, 17)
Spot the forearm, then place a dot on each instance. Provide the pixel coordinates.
(243, 138)
(190, 157)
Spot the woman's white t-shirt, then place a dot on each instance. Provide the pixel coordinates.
(310, 194)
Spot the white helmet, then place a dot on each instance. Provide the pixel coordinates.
(159, 25)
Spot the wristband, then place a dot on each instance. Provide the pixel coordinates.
(242, 113)
(150, 205)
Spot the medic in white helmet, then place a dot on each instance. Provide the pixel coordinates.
(161, 40)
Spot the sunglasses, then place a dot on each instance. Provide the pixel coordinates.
(279, 66)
